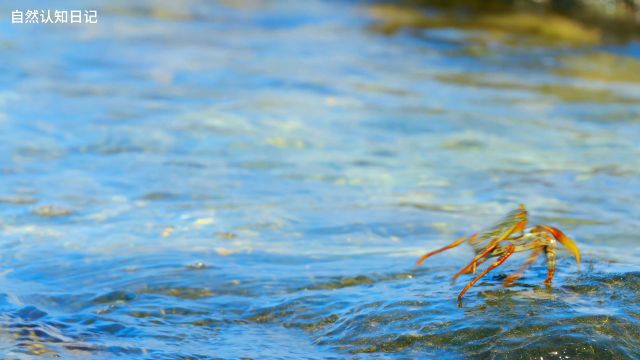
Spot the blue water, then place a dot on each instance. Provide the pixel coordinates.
(257, 179)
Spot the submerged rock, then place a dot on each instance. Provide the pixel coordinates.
(52, 211)
(545, 22)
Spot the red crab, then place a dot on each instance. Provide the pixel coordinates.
(506, 237)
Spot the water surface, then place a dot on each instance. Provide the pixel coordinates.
(257, 179)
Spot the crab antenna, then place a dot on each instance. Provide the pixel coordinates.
(564, 240)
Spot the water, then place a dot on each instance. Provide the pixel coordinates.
(257, 179)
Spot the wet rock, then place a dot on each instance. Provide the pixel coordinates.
(546, 22)
(52, 211)
(198, 265)
(18, 200)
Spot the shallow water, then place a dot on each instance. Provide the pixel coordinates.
(257, 179)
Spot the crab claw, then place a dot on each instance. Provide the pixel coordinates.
(564, 240)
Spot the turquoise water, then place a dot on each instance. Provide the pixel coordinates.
(257, 179)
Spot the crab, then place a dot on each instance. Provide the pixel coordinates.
(506, 237)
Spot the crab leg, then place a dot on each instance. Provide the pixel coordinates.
(512, 278)
(452, 245)
(550, 252)
(471, 267)
(508, 251)
(564, 240)
(477, 263)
